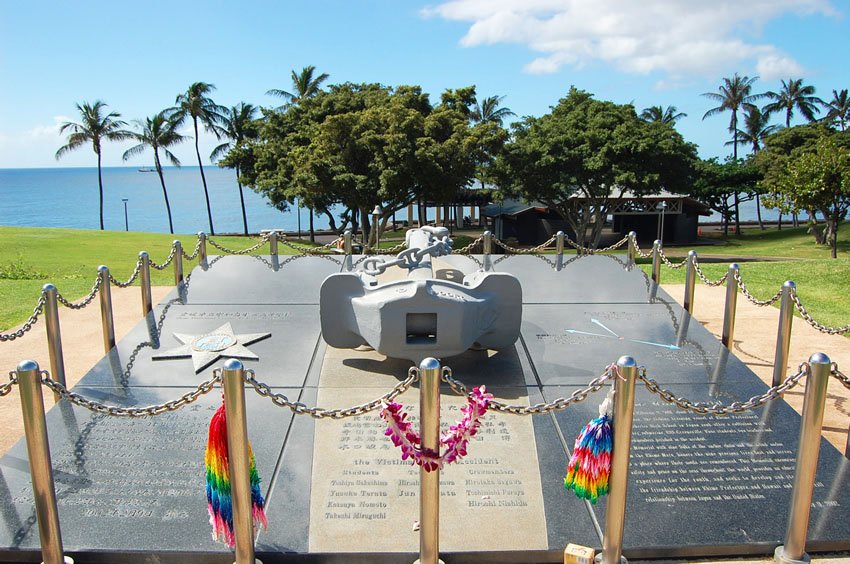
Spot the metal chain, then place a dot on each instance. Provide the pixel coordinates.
(468, 249)
(705, 279)
(195, 253)
(299, 408)
(167, 261)
(666, 261)
(559, 404)
(804, 313)
(116, 411)
(530, 251)
(5, 389)
(717, 408)
(751, 297)
(83, 302)
(39, 308)
(589, 251)
(408, 258)
(392, 250)
(839, 375)
(321, 251)
(131, 279)
(263, 240)
(637, 249)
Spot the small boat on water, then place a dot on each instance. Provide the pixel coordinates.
(147, 169)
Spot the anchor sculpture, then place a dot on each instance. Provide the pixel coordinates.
(420, 316)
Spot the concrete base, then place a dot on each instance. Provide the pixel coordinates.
(780, 558)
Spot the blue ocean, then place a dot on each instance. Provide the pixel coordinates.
(68, 197)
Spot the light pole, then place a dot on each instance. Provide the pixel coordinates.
(126, 223)
(662, 206)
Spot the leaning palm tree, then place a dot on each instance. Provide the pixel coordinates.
(304, 85)
(159, 133)
(196, 104)
(669, 115)
(96, 126)
(489, 110)
(757, 126)
(838, 109)
(794, 95)
(733, 94)
(238, 125)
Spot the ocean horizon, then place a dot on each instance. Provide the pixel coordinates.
(68, 197)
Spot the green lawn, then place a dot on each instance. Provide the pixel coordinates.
(68, 258)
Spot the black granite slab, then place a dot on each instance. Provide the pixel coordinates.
(571, 343)
(131, 486)
(292, 279)
(706, 486)
(577, 279)
(284, 357)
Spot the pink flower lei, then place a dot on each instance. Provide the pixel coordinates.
(456, 439)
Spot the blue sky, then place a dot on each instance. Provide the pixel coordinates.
(138, 56)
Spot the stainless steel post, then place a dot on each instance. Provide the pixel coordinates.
(656, 261)
(106, 318)
(239, 461)
(615, 512)
(690, 281)
(145, 276)
(376, 218)
(178, 262)
(783, 334)
(273, 243)
(54, 335)
(41, 470)
(488, 243)
(429, 482)
(794, 549)
(559, 242)
(731, 306)
(346, 242)
(202, 249)
(632, 248)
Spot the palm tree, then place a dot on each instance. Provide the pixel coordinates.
(489, 110)
(838, 109)
(94, 128)
(159, 133)
(304, 86)
(669, 115)
(756, 127)
(196, 103)
(733, 94)
(794, 95)
(237, 125)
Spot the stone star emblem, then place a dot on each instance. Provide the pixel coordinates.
(209, 347)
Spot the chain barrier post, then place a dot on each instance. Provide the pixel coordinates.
(783, 334)
(656, 261)
(731, 306)
(233, 383)
(794, 549)
(202, 250)
(145, 276)
(348, 249)
(106, 318)
(632, 247)
(488, 250)
(615, 512)
(54, 334)
(273, 243)
(178, 262)
(41, 469)
(559, 243)
(690, 281)
(429, 482)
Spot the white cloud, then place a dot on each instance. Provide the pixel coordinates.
(671, 37)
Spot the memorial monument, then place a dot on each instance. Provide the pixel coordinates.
(337, 490)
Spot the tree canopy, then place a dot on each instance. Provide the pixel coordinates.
(586, 153)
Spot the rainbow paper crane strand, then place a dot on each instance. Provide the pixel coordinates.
(589, 467)
(219, 498)
(456, 439)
